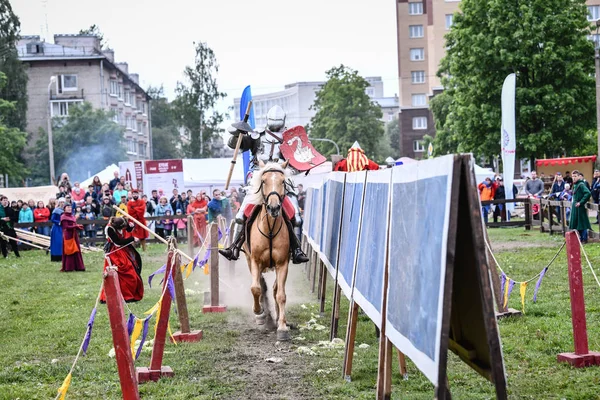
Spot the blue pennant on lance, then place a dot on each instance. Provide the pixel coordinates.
(88, 335)
(161, 270)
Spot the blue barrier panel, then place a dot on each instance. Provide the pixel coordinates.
(306, 212)
(353, 197)
(332, 220)
(417, 260)
(324, 210)
(372, 245)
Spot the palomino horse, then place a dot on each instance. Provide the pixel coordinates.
(269, 244)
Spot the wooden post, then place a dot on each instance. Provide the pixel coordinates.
(541, 214)
(190, 235)
(320, 282)
(116, 315)
(316, 261)
(156, 369)
(215, 305)
(402, 362)
(184, 334)
(550, 215)
(527, 204)
(582, 356)
(335, 313)
(350, 338)
(323, 289)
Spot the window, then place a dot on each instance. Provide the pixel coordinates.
(142, 149)
(593, 13)
(143, 107)
(131, 146)
(419, 122)
(418, 146)
(61, 108)
(68, 83)
(449, 21)
(418, 100)
(127, 99)
(139, 127)
(369, 92)
(128, 122)
(595, 38)
(417, 77)
(417, 54)
(133, 100)
(120, 93)
(115, 113)
(121, 118)
(415, 8)
(114, 88)
(415, 31)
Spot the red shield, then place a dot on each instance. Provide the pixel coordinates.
(296, 148)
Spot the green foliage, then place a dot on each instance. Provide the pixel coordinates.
(88, 140)
(196, 100)
(542, 41)
(12, 140)
(95, 30)
(166, 141)
(392, 132)
(14, 88)
(345, 114)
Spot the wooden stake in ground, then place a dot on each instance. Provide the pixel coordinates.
(214, 273)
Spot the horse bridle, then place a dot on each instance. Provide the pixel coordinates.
(270, 234)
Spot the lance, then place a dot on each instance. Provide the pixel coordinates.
(6, 237)
(243, 128)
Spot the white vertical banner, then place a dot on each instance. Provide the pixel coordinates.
(507, 139)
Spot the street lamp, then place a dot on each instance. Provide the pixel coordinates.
(329, 141)
(50, 145)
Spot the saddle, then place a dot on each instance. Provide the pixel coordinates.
(252, 210)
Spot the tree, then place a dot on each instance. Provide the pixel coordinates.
(86, 141)
(195, 102)
(166, 140)
(12, 140)
(544, 43)
(392, 131)
(345, 113)
(95, 30)
(14, 88)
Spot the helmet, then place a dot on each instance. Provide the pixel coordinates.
(275, 119)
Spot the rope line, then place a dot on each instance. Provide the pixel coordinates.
(588, 260)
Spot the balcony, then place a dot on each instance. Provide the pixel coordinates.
(67, 95)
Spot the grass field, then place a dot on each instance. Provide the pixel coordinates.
(43, 315)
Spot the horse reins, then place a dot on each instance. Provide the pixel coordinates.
(271, 236)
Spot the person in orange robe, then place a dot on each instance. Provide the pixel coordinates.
(198, 208)
(356, 161)
(136, 207)
(120, 253)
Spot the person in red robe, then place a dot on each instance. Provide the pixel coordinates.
(136, 207)
(120, 253)
(356, 161)
(198, 208)
(71, 255)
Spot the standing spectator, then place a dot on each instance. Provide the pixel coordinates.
(68, 200)
(175, 199)
(154, 198)
(26, 215)
(596, 192)
(215, 206)
(499, 194)
(105, 189)
(62, 192)
(136, 207)
(181, 224)
(568, 178)
(161, 211)
(31, 204)
(486, 193)
(235, 203)
(90, 193)
(579, 218)
(197, 209)
(226, 208)
(301, 197)
(42, 214)
(558, 186)
(119, 194)
(51, 205)
(534, 187)
(89, 215)
(79, 214)
(112, 185)
(93, 205)
(71, 257)
(64, 182)
(97, 187)
(78, 195)
(8, 218)
(184, 203)
(56, 234)
(122, 206)
(106, 208)
(19, 205)
(168, 224)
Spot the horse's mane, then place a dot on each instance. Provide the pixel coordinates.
(253, 194)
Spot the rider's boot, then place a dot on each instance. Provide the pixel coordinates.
(298, 256)
(232, 253)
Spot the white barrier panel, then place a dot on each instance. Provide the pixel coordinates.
(417, 260)
(372, 245)
(314, 229)
(332, 220)
(353, 200)
(306, 212)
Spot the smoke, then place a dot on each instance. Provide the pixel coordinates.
(92, 159)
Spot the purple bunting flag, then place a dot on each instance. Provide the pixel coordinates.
(161, 270)
(203, 261)
(144, 334)
(511, 284)
(88, 335)
(539, 282)
(171, 287)
(502, 283)
(130, 324)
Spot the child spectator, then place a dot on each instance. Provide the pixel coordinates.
(181, 225)
(90, 229)
(168, 224)
(26, 215)
(79, 215)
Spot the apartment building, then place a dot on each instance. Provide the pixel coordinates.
(75, 69)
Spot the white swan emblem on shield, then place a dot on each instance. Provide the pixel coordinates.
(301, 154)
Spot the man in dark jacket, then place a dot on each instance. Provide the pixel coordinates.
(8, 217)
(499, 194)
(113, 183)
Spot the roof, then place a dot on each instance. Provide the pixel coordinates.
(565, 160)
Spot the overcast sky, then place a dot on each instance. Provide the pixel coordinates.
(263, 43)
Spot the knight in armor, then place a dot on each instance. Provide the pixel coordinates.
(264, 147)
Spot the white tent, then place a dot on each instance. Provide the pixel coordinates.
(482, 173)
(37, 193)
(106, 175)
(211, 173)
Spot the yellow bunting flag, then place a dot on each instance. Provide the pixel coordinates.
(221, 246)
(183, 268)
(523, 289)
(190, 268)
(171, 333)
(506, 293)
(154, 308)
(65, 386)
(206, 269)
(157, 316)
(137, 331)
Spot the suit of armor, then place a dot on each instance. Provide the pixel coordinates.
(264, 147)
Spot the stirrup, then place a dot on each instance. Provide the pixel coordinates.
(229, 254)
(298, 256)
